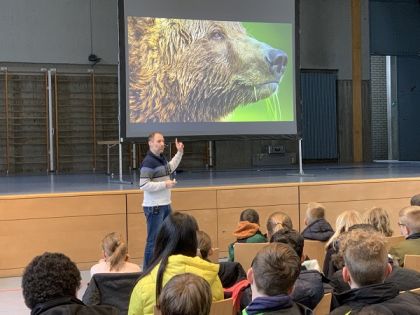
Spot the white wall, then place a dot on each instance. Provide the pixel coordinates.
(57, 31)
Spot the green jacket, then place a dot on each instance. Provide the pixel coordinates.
(410, 246)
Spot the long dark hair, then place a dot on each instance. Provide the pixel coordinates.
(177, 235)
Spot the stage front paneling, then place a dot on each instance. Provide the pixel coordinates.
(70, 223)
(75, 223)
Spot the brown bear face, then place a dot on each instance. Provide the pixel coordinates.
(197, 70)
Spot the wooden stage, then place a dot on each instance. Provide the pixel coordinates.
(75, 222)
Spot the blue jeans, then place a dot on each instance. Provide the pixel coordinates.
(154, 218)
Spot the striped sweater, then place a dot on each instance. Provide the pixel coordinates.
(155, 170)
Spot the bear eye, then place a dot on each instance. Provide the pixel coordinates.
(217, 35)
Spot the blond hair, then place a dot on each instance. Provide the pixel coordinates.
(344, 221)
(314, 211)
(365, 256)
(410, 217)
(379, 218)
(115, 250)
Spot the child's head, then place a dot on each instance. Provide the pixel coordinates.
(365, 257)
(343, 222)
(379, 218)
(290, 237)
(314, 211)
(250, 215)
(186, 294)
(276, 221)
(204, 244)
(115, 250)
(274, 270)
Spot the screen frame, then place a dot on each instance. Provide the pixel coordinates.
(122, 88)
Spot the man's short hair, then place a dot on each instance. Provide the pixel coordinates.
(277, 221)
(365, 255)
(204, 244)
(186, 294)
(314, 211)
(410, 217)
(250, 215)
(276, 268)
(415, 200)
(49, 276)
(290, 237)
(153, 134)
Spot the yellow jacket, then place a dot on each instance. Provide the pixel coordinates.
(143, 297)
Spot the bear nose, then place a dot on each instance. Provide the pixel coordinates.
(277, 61)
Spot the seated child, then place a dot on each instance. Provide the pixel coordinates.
(317, 228)
(186, 294)
(115, 254)
(230, 273)
(272, 276)
(247, 231)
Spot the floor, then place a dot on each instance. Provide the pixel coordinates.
(11, 299)
(34, 184)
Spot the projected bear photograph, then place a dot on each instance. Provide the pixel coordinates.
(209, 71)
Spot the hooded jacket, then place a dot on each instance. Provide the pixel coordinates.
(280, 304)
(384, 294)
(143, 297)
(319, 230)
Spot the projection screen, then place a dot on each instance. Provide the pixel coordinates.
(197, 68)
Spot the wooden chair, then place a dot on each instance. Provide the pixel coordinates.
(223, 307)
(214, 257)
(245, 253)
(324, 305)
(417, 291)
(315, 250)
(412, 262)
(393, 240)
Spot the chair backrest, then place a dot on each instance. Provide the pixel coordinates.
(245, 252)
(214, 257)
(111, 289)
(393, 240)
(223, 307)
(412, 262)
(315, 250)
(417, 291)
(324, 305)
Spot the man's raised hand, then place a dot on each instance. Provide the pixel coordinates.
(179, 146)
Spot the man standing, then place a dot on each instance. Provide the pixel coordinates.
(156, 181)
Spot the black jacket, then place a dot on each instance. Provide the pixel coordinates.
(319, 230)
(405, 279)
(383, 294)
(69, 305)
(230, 273)
(111, 289)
